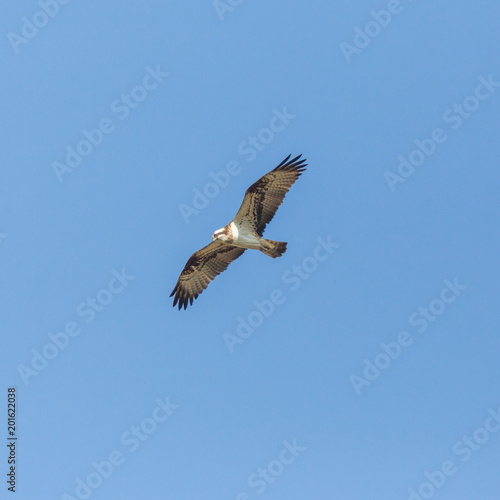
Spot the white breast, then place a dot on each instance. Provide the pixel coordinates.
(243, 238)
(234, 231)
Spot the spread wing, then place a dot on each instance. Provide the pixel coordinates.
(201, 268)
(264, 197)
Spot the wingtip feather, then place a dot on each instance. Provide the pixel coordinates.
(294, 164)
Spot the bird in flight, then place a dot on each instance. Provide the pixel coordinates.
(262, 200)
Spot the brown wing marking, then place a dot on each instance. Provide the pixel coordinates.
(264, 197)
(201, 268)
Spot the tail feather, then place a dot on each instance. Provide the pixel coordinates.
(273, 248)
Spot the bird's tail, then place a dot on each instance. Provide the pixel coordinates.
(273, 248)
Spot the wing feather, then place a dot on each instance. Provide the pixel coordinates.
(264, 197)
(201, 268)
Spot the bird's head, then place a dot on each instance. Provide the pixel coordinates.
(220, 234)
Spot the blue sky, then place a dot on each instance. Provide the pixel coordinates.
(364, 363)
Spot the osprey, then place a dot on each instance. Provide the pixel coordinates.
(262, 200)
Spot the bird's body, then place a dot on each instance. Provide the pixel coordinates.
(240, 235)
(262, 200)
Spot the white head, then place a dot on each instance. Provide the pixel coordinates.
(220, 234)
